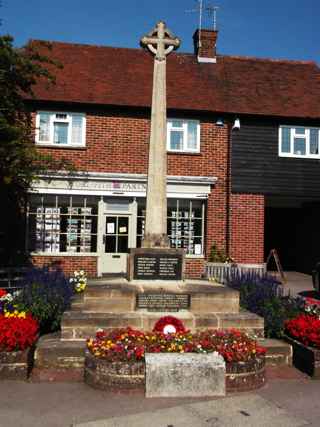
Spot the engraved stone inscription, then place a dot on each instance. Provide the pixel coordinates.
(158, 267)
(163, 302)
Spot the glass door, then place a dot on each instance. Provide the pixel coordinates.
(116, 243)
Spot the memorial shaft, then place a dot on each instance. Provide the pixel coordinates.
(160, 42)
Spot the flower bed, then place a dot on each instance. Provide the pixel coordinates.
(303, 333)
(116, 358)
(18, 333)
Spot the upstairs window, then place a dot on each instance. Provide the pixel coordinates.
(299, 142)
(183, 135)
(61, 129)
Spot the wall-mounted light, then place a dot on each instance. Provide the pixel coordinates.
(219, 121)
(236, 124)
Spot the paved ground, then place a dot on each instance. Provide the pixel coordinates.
(289, 399)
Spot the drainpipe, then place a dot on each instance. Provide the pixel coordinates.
(235, 127)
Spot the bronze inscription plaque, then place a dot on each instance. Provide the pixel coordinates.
(163, 302)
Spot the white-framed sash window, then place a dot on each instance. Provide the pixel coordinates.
(299, 141)
(60, 129)
(183, 135)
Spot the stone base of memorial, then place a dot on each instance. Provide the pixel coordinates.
(245, 376)
(14, 365)
(304, 358)
(105, 375)
(156, 264)
(185, 375)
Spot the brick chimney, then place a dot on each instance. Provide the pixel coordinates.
(206, 51)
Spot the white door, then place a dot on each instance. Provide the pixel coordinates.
(115, 243)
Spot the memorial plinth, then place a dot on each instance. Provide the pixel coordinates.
(156, 264)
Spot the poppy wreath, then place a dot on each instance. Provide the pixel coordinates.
(169, 325)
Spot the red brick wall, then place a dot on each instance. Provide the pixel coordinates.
(247, 228)
(68, 263)
(194, 268)
(118, 143)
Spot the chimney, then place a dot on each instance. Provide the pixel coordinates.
(205, 45)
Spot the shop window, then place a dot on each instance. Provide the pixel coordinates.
(299, 142)
(183, 135)
(185, 224)
(61, 129)
(62, 224)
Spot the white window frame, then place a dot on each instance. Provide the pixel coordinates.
(293, 135)
(184, 128)
(54, 119)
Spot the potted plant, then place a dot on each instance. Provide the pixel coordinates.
(303, 333)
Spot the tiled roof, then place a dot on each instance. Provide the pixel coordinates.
(123, 77)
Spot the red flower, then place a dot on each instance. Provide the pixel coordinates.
(17, 333)
(306, 329)
(3, 292)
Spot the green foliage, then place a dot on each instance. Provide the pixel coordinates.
(20, 69)
(46, 294)
(20, 162)
(264, 295)
(275, 312)
(218, 255)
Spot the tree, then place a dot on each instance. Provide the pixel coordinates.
(20, 162)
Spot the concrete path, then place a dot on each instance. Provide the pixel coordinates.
(293, 401)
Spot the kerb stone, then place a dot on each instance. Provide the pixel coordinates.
(185, 375)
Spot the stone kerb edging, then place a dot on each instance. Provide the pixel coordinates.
(14, 365)
(245, 376)
(103, 375)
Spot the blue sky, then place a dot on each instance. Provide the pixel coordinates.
(277, 29)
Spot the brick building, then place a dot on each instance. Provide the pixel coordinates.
(222, 113)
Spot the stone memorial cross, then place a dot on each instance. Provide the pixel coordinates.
(160, 41)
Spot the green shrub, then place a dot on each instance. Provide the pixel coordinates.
(264, 296)
(46, 294)
(218, 255)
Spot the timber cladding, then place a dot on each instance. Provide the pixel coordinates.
(257, 168)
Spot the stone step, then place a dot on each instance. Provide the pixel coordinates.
(81, 325)
(279, 353)
(114, 305)
(57, 360)
(121, 297)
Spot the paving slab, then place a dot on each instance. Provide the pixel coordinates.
(239, 411)
(292, 400)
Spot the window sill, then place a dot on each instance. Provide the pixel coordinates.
(61, 146)
(194, 256)
(65, 254)
(189, 153)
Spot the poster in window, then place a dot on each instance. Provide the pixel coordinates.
(197, 249)
(110, 228)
